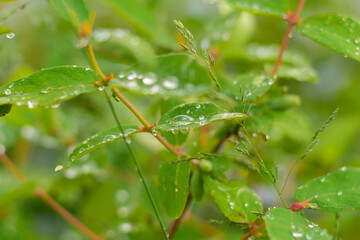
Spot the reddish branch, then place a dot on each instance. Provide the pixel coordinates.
(11, 167)
(293, 20)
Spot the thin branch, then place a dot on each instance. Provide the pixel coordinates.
(94, 62)
(9, 165)
(293, 20)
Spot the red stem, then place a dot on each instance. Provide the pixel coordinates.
(293, 20)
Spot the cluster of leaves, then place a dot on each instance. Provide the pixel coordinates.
(239, 107)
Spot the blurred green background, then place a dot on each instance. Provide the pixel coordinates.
(103, 189)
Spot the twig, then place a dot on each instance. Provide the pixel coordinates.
(49, 200)
(293, 20)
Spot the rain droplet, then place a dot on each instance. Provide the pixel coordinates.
(323, 179)
(128, 140)
(58, 168)
(7, 92)
(182, 120)
(339, 193)
(101, 88)
(109, 138)
(201, 117)
(170, 83)
(10, 35)
(148, 81)
(132, 76)
(153, 132)
(297, 235)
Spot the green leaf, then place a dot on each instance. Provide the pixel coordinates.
(121, 45)
(174, 75)
(197, 185)
(4, 109)
(4, 30)
(283, 224)
(23, 190)
(262, 7)
(97, 141)
(248, 87)
(49, 87)
(174, 187)
(143, 19)
(235, 200)
(335, 192)
(338, 33)
(75, 11)
(194, 115)
(299, 73)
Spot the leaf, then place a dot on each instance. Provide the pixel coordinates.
(262, 7)
(235, 200)
(4, 109)
(143, 19)
(197, 185)
(299, 73)
(97, 141)
(121, 45)
(194, 115)
(23, 190)
(174, 187)
(338, 33)
(74, 11)
(7, 31)
(174, 75)
(248, 87)
(335, 192)
(49, 87)
(283, 224)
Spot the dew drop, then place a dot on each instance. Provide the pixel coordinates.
(10, 35)
(246, 204)
(87, 68)
(148, 81)
(131, 76)
(201, 117)
(170, 83)
(297, 235)
(323, 179)
(198, 106)
(339, 193)
(153, 132)
(109, 138)
(182, 120)
(7, 92)
(128, 140)
(58, 168)
(101, 88)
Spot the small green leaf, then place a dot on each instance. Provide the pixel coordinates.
(23, 190)
(335, 192)
(97, 141)
(300, 73)
(283, 224)
(174, 187)
(194, 115)
(248, 87)
(9, 32)
(174, 75)
(284, 102)
(74, 11)
(4, 109)
(262, 7)
(338, 33)
(137, 14)
(49, 87)
(235, 200)
(121, 45)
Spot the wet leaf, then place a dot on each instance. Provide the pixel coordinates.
(300, 73)
(7, 31)
(4, 109)
(194, 115)
(174, 187)
(235, 200)
(97, 141)
(120, 45)
(75, 11)
(197, 185)
(248, 87)
(49, 87)
(142, 19)
(262, 7)
(283, 224)
(335, 192)
(174, 75)
(338, 33)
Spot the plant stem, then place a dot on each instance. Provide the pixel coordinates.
(252, 231)
(292, 21)
(142, 178)
(148, 127)
(93, 61)
(337, 226)
(49, 200)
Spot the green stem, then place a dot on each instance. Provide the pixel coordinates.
(337, 226)
(138, 168)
